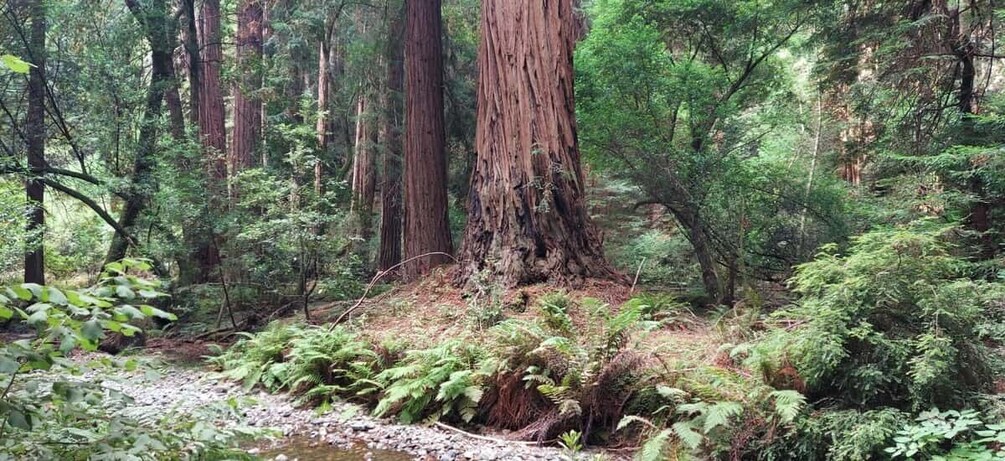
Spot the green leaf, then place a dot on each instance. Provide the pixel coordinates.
(8, 365)
(150, 294)
(21, 292)
(17, 418)
(124, 292)
(39, 316)
(54, 296)
(92, 330)
(16, 64)
(151, 311)
(5, 312)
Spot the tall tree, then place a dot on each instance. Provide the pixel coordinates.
(389, 254)
(363, 174)
(211, 110)
(426, 226)
(527, 217)
(212, 132)
(246, 143)
(160, 33)
(34, 259)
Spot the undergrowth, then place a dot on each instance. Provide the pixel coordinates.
(894, 325)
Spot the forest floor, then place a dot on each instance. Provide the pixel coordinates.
(171, 383)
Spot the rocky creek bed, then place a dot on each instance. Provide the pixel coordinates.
(347, 431)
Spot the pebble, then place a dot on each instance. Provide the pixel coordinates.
(185, 390)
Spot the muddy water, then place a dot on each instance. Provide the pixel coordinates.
(307, 449)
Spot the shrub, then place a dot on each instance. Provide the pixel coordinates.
(316, 363)
(442, 382)
(891, 323)
(48, 417)
(575, 376)
(959, 435)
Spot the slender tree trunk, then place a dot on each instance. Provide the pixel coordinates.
(153, 19)
(192, 53)
(363, 175)
(527, 216)
(247, 114)
(324, 128)
(426, 225)
(389, 254)
(34, 259)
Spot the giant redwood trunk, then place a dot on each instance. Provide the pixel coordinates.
(389, 254)
(34, 258)
(426, 227)
(527, 217)
(212, 132)
(247, 104)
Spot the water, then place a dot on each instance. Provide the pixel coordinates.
(307, 449)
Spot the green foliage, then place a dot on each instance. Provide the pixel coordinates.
(316, 363)
(836, 435)
(442, 382)
(583, 369)
(892, 322)
(949, 435)
(15, 64)
(63, 418)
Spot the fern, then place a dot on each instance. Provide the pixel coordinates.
(434, 383)
(656, 448)
(788, 404)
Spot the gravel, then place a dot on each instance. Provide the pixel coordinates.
(345, 426)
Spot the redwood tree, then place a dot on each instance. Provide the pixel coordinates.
(247, 104)
(389, 254)
(426, 226)
(527, 216)
(211, 130)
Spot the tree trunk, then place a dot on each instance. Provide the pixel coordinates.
(363, 176)
(527, 216)
(247, 114)
(212, 132)
(34, 258)
(389, 254)
(426, 226)
(324, 129)
(191, 42)
(153, 19)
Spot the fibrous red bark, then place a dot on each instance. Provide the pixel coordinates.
(247, 105)
(426, 226)
(389, 254)
(527, 217)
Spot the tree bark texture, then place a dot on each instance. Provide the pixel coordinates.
(34, 258)
(527, 217)
(426, 226)
(247, 114)
(212, 132)
(389, 254)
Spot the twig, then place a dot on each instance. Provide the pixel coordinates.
(380, 275)
(481, 437)
(10, 384)
(637, 274)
